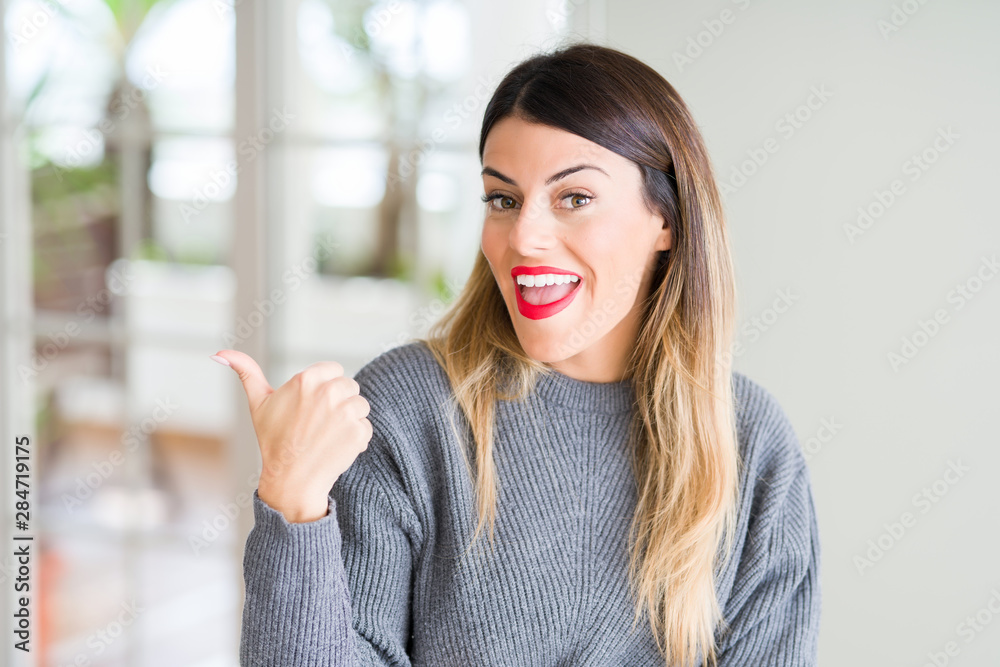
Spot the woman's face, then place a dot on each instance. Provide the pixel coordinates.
(575, 209)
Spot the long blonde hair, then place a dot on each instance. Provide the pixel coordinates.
(682, 435)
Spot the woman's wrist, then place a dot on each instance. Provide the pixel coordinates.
(295, 507)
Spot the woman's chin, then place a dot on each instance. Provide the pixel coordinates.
(545, 348)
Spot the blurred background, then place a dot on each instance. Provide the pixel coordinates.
(299, 180)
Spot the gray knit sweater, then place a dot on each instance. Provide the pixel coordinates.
(384, 579)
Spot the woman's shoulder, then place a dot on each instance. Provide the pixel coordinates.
(410, 398)
(405, 388)
(772, 581)
(769, 447)
(404, 377)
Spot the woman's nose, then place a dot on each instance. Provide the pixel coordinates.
(534, 228)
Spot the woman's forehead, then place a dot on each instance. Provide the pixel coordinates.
(514, 142)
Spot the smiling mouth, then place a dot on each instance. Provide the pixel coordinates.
(544, 291)
(540, 296)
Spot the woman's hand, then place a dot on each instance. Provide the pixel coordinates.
(310, 430)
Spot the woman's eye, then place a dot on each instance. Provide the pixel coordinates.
(500, 202)
(579, 200)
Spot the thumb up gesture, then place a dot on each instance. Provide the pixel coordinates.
(309, 430)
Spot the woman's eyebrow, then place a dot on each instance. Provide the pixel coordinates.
(572, 170)
(490, 171)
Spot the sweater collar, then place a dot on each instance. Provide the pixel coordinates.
(602, 397)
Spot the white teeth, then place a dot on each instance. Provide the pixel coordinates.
(545, 279)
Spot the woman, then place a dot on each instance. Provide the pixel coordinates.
(645, 504)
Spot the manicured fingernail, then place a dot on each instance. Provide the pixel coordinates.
(221, 360)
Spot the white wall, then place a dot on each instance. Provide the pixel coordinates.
(826, 357)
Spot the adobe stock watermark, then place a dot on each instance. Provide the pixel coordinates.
(224, 9)
(757, 325)
(87, 485)
(924, 500)
(786, 127)
(915, 167)
(899, 16)
(213, 528)
(28, 27)
(247, 152)
(559, 15)
(971, 627)
(119, 109)
(452, 119)
(293, 277)
(927, 329)
(376, 19)
(117, 282)
(605, 311)
(753, 328)
(425, 316)
(829, 427)
(99, 641)
(6, 568)
(698, 43)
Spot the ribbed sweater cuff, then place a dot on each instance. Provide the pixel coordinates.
(306, 559)
(310, 533)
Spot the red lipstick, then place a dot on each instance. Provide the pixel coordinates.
(541, 311)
